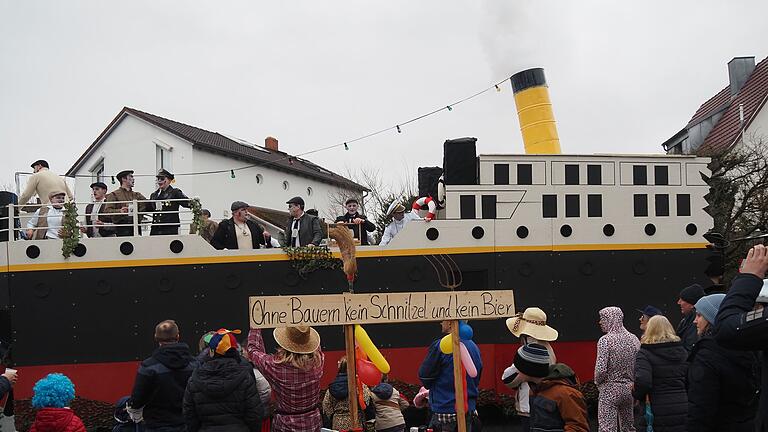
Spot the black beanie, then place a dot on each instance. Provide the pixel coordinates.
(533, 360)
(692, 294)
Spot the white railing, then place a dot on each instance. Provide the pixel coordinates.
(133, 209)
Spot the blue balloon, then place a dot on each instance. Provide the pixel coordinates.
(465, 331)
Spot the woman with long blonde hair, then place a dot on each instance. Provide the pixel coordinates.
(660, 374)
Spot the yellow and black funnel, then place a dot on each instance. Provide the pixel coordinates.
(534, 110)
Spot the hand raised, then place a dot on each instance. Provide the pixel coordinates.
(756, 262)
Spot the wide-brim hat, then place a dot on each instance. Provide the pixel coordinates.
(532, 322)
(299, 340)
(395, 207)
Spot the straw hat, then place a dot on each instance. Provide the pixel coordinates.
(299, 340)
(532, 322)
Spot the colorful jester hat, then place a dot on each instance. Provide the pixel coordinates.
(223, 340)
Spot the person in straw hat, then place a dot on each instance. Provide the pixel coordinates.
(399, 219)
(294, 373)
(531, 327)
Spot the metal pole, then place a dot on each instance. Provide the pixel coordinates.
(458, 378)
(349, 345)
(135, 206)
(11, 224)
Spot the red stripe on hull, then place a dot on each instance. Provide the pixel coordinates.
(110, 381)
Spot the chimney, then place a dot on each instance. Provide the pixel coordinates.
(739, 70)
(271, 142)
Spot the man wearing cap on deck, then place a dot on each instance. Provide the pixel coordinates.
(94, 227)
(302, 229)
(686, 330)
(42, 183)
(361, 222)
(48, 220)
(239, 232)
(399, 219)
(121, 213)
(165, 192)
(646, 313)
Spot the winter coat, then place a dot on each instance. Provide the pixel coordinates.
(557, 404)
(616, 350)
(436, 375)
(336, 405)
(5, 386)
(389, 406)
(57, 420)
(170, 193)
(660, 374)
(226, 238)
(309, 231)
(752, 334)
(721, 388)
(222, 396)
(160, 383)
(686, 330)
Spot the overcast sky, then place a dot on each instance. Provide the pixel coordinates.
(624, 76)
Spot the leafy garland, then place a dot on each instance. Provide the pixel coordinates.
(308, 259)
(70, 232)
(197, 215)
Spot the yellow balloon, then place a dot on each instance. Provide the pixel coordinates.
(365, 342)
(446, 344)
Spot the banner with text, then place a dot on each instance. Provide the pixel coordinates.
(340, 309)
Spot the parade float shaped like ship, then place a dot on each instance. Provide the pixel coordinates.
(568, 233)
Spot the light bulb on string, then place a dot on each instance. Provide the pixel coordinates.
(498, 89)
(346, 147)
(232, 173)
(449, 108)
(290, 161)
(398, 129)
(113, 179)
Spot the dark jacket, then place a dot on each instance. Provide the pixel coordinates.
(5, 386)
(226, 238)
(660, 373)
(721, 388)
(309, 231)
(686, 330)
(57, 420)
(160, 384)
(104, 230)
(739, 329)
(222, 396)
(172, 218)
(436, 375)
(556, 402)
(366, 225)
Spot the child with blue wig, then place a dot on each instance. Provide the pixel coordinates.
(52, 396)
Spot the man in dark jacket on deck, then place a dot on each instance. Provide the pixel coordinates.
(686, 330)
(742, 322)
(160, 382)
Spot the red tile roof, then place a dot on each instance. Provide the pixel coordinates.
(752, 96)
(713, 105)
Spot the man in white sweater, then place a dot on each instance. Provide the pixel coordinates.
(399, 219)
(42, 183)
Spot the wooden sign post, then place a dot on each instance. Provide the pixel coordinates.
(349, 309)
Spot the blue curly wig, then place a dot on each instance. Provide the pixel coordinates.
(53, 391)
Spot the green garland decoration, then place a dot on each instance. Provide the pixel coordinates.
(308, 259)
(70, 232)
(197, 215)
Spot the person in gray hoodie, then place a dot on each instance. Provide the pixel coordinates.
(389, 408)
(615, 372)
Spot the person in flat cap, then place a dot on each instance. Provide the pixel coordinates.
(400, 218)
(294, 372)
(168, 196)
(42, 183)
(93, 226)
(48, 220)
(359, 221)
(686, 329)
(240, 232)
(303, 229)
(118, 208)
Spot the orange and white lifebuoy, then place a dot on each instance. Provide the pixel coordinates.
(429, 203)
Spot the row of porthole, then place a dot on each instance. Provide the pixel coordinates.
(565, 231)
(286, 184)
(126, 248)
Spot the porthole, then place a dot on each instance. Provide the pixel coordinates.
(522, 232)
(650, 229)
(309, 191)
(177, 246)
(80, 250)
(33, 252)
(609, 230)
(259, 179)
(433, 234)
(126, 248)
(566, 230)
(691, 229)
(286, 185)
(478, 232)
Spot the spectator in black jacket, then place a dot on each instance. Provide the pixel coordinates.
(160, 382)
(743, 324)
(686, 329)
(222, 393)
(239, 232)
(660, 375)
(721, 382)
(361, 222)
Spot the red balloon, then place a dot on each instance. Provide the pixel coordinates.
(368, 373)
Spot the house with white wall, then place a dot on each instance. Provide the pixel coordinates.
(216, 168)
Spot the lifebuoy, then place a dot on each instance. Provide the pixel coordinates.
(441, 192)
(429, 203)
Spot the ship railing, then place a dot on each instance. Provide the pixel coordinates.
(145, 208)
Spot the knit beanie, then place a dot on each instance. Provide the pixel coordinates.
(533, 360)
(692, 294)
(707, 306)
